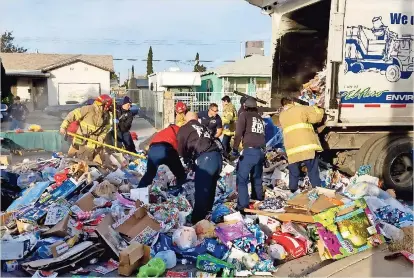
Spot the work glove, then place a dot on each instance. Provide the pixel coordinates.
(235, 153)
(226, 126)
(116, 121)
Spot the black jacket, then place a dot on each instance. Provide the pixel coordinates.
(194, 139)
(251, 128)
(125, 120)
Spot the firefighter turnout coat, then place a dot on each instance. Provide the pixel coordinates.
(229, 119)
(91, 124)
(301, 141)
(180, 119)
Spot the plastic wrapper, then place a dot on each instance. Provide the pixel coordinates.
(390, 211)
(274, 203)
(48, 173)
(25, 179)
(169, 258)
(207, 246)
(277, 252)
(205, 229)
(294, 247)
(228, 232)
(219, 213)
(184, 237)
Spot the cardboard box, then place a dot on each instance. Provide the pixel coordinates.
(348, 229)
(14, 249)
(58, 248)
(133, 257)
(85, 203)
(60, 229)
(325, 200)
(109, 235)
(139, 227)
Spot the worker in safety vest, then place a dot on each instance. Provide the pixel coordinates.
(90, 121)
(229, 122)
(301, 141)
(181, 110)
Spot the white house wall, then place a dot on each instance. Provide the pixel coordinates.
(23, 86)
(77, 73)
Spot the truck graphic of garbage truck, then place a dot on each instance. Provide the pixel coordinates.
(379, 49)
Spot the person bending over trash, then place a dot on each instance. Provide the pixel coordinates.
(251, 129)
(90, 121)
(203, 152)
(301, 141)
(163, 150)
(229, 123)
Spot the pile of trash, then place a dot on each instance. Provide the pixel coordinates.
(313, 91)
(63, 215)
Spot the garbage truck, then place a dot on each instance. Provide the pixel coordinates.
(366, 49)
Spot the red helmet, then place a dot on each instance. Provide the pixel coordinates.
(180, 107)
(105, 101)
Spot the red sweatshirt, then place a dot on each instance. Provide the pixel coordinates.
(167, 135)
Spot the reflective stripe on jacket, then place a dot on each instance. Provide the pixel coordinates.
(301, 141)
(91, 124)
(180, 119)
(229, 119)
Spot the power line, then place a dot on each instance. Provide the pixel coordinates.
(173, 60)
(132, 42)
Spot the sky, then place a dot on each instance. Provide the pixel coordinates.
(125, 29)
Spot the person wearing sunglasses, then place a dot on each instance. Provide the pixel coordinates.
(212, 120)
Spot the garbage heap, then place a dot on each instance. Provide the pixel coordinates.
(69, 216)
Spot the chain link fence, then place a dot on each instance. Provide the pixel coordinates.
(200, 101)
(151, 105)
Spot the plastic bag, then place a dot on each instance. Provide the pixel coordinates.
(184, 237)
(169, 258)
(205, 229)
(25, 179)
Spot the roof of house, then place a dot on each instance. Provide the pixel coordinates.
(47, 62)
(176, 78)
(255, 65)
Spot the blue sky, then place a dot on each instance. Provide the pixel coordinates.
(176, 29)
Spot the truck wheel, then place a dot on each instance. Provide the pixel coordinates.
(395, 162)
(357, 67)
(393, 73)
(364, 153)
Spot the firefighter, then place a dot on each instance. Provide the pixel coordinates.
(181, 110)
(212, 120)
(163, 150)
(301, 141)
(90, 121)
(202, 152)
(229, 123)
(251, 129)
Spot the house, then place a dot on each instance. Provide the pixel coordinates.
(55, 79)
(139, 82)
(174, 81)
(247, 75)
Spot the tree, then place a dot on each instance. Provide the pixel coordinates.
(198, 67)
(7, 44)
(150, 68)
(114, 76)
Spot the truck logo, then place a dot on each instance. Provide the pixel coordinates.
(379, 49)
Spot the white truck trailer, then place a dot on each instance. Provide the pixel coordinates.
(367, 47)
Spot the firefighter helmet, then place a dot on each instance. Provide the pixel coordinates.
(105, 101)
(180, 107)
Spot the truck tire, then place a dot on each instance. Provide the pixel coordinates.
(364, 153)
(395, 166)
(393, 73)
